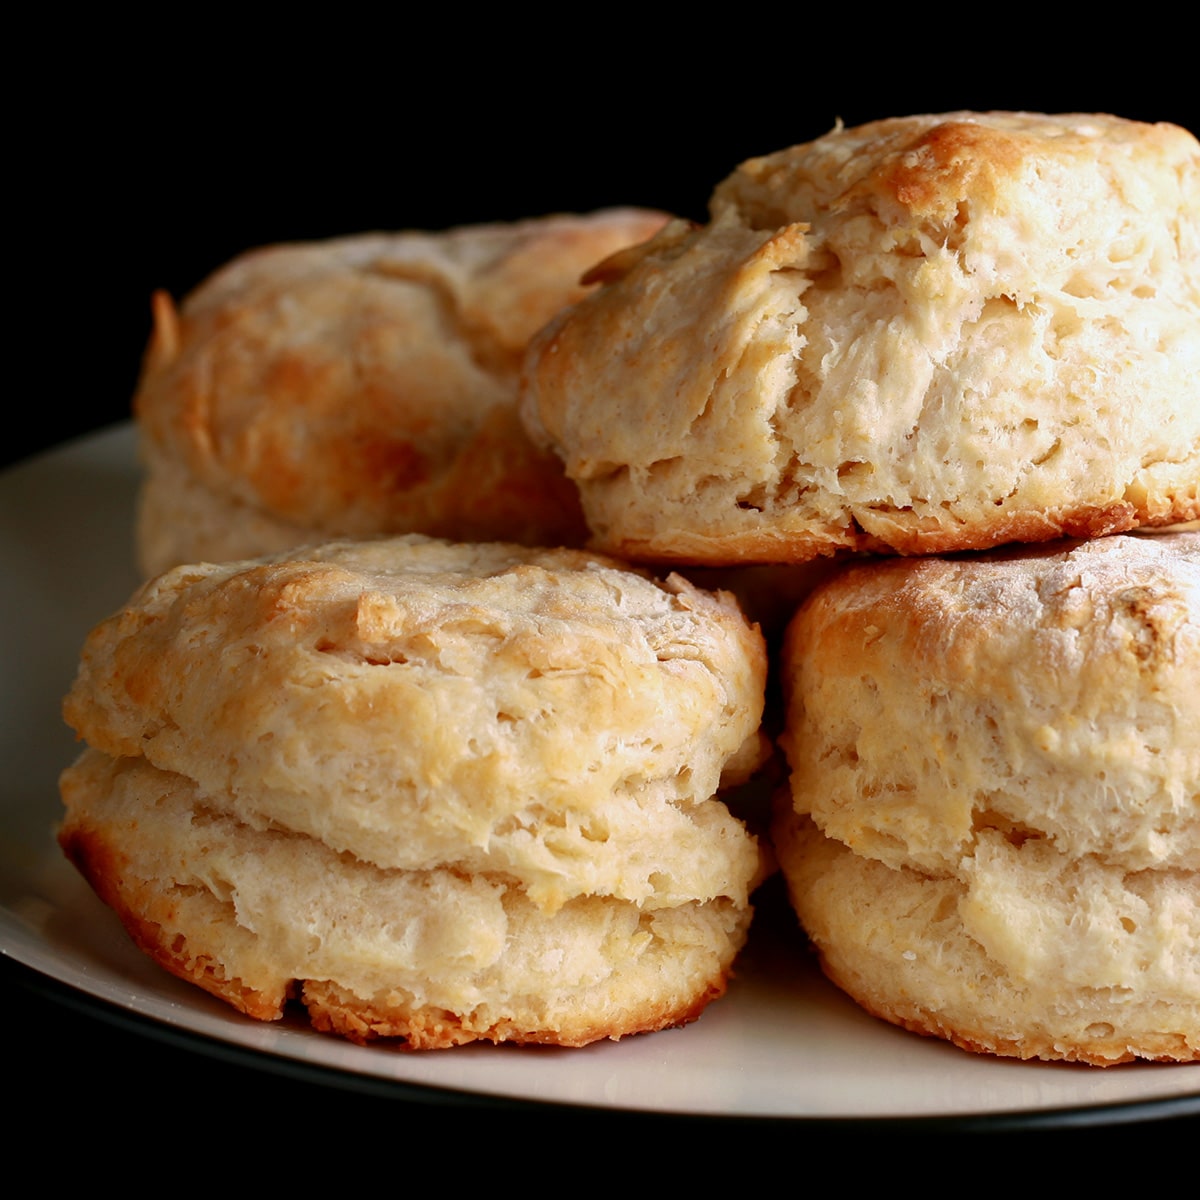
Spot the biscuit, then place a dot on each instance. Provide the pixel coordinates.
(358, 387)
(921, 335)
(994, 834)
(438, 792)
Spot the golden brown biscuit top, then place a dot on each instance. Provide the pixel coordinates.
(930, 165)
(337, 384)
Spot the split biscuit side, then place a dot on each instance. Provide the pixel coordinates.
(330, 776)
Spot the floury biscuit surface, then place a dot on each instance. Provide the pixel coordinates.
(440, 792)
(995, 830)
(924, 334)
(361, 386)
(1054, 693)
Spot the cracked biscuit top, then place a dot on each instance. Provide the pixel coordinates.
(361, 386)
(924, 334)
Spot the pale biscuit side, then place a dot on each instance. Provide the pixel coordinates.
(1025, 953)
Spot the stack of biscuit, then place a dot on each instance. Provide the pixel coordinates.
(438, 792)
(435, 791)
(446, 792)
(937, 335)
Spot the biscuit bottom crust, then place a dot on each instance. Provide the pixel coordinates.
(933, 956)
(258, 917)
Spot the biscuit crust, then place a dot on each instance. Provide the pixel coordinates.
(925, 334)
(361, 386)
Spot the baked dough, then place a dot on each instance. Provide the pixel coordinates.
(995, 828)
(1023, 953)
(441, 792)
(361, 386)
(925, 334)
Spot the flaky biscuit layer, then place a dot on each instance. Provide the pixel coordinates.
(1024, 952)
(437, 957)
(1054, 694)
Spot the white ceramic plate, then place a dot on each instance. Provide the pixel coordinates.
(783, 1042)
